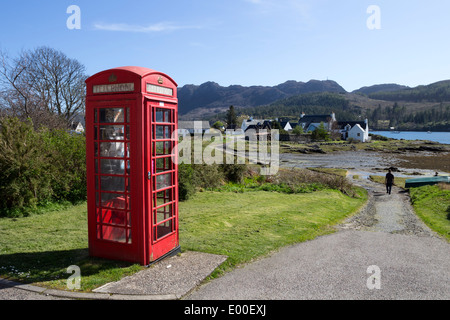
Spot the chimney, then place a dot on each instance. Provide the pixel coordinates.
(333, 116)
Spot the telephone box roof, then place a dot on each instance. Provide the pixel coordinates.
(139, 71)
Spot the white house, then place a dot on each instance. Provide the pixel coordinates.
(285, 125)
(356, 130)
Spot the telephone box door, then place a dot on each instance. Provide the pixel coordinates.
(161, 180)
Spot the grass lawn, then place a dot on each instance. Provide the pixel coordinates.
(39, 249)
(244, 226)
(432, 205)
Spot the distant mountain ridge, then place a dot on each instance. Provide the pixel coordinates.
(388, 87)
(212, 96)
(425, 107)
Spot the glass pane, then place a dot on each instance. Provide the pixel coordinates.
(111, 132)
(162, 148)
(163, 181)
(164, 213)
(163, 197)
(163, 164)
(108, 166)
(115, 184)
(111, 200)
(164, 229)
(113, 217)
(163, 132)
(113, 115)
(114, 234)
(129, 236)
(128, 133)
(112, 149)
(162, 115)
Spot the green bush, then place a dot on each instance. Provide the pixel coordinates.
(185, 187)
(39, 167)
(67, 154)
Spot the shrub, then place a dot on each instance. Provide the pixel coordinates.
(23, 166)
(233, 172)
(185, 187)
(39, 167)
(67, 154)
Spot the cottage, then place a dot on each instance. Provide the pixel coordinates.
(253, 123)
(312, 122)
(356, 130)
(78, 123)
(285, 125)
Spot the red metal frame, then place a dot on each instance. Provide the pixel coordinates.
(132, 177)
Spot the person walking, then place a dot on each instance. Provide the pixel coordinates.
(389, 181)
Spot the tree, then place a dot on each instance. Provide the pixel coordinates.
(298, 130)
(218, 125)
(231, 116)
(320, 133)
(44, 85)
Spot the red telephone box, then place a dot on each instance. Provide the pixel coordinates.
(132, 178)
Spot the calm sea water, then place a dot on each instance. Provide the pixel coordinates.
(442, 137)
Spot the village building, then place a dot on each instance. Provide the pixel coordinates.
(355, 130)
(194, 127)
(312, 122)
(286, 125)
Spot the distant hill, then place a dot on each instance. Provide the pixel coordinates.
(435, 92)
(385, 105)
(210, 97)
(389, 87)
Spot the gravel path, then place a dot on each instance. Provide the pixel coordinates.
(411, 261)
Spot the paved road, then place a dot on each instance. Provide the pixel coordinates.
(411, 261)
(11, 293)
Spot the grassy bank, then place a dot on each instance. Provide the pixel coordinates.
(244, 226)
(432, 205)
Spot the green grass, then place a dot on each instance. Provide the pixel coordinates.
(246, 226)
(335, 171)
(432, 205)
(38, 249)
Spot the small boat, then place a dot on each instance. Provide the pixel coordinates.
(418, 182)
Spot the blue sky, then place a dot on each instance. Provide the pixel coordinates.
(244, 42)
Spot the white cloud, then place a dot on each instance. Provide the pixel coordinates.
(158, 27)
